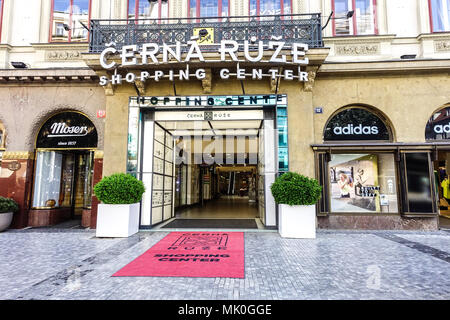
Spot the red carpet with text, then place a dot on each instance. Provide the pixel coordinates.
(191, 254)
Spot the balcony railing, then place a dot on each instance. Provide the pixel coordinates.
(304, 28)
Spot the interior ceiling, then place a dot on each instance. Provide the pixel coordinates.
(213, 128)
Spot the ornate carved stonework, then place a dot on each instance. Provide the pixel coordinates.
(63, 55)
(18, 155)
(357, 49)
(207, 82)
(309, 85)
(442, 46)
(140, 85)
(273, 85)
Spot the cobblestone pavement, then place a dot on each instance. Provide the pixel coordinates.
(73, 264)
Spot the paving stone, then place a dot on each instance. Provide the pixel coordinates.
(336, 265)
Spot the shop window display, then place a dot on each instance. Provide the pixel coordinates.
(63, 180)
(363, 183)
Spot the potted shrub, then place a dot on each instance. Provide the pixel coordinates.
(118, 214)
(297, 196)
(7, 208)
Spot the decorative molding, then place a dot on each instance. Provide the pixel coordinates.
(17, 155)
(442, 46)
(207, 82)
(357, 49)
(65, 55)
(140, 85)
(309, 85)
(273, 85)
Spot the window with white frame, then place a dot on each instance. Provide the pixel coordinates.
(362, 22)
(208, 8)
(440, 15)
(70, 20)
(148, 9)
(270, 7)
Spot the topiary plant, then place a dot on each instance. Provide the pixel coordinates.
(8, 205)
(295, 189)
(119, 188)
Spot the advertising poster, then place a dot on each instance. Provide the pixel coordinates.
(354, 183)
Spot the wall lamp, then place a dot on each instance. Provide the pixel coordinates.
(348, 16)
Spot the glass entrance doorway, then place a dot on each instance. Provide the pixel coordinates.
(207, 169)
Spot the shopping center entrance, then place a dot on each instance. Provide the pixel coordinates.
(208, 169)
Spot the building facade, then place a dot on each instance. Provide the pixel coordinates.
(206, 101)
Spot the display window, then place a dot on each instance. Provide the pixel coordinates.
(69, 19)
(64, 165)
(363, 183)
(63, 179)
(439, 15)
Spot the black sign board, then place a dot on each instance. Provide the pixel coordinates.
(67, 130)
(438, 127)
(355, 124)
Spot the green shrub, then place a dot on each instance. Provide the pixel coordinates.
(119, 188)
(8, 205)
(294, 189)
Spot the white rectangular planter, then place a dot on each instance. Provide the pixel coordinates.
(297, 221)
(117, 220)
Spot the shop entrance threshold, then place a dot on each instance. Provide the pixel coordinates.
(201, 225)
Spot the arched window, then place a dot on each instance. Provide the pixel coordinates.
(148, 9)
(438, 126)
(362, 22)
(356, 124)
(64, 162)
(68, 20)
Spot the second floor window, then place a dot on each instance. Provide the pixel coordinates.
(363, 20)
(148, 9)
(270, 7)
(208, 8)
(67, 19)
(440, 15)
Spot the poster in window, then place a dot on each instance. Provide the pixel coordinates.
(354, 183)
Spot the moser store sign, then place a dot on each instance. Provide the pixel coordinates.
(152, 53)
(67, 130)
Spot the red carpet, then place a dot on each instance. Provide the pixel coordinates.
(191, 254)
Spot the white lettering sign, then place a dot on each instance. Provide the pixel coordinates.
(61, 129)
(358, 130)
(292, 56)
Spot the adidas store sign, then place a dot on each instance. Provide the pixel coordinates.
(442, 128)
(356, 130)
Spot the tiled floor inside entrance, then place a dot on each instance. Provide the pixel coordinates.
(74, 264)
(231, 207)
